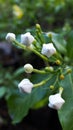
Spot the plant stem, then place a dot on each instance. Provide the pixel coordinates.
(42, 82)
(60, 90)
(19, 44)
(40, 55)
(39, 71)
(30, 49)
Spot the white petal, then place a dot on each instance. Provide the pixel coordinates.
(27, 39)
(56, 101)
(25, 86)
(10, 37)
(48, 49)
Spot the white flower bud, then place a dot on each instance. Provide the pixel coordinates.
(48, 49)
(56, 101)
(27, 39)
(25, 86)
(10, 37)
(28, 68)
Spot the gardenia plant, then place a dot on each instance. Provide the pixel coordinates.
(53, 82)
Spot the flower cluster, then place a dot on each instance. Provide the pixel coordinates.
(27, 39)
(48, 52)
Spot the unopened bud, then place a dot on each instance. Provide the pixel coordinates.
(69, 71)
(51, 87)
(62, 77)
(27, 39)
(25, 86)
(50, 35)
(10, 37)
(50, 69)
(58, 62)
(48, 49)
(56, 101)
(38, 26)
(28, 68)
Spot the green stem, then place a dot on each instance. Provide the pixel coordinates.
(60, 90)
(42, 82)
(40, 55)
(55, 81)
(58, 56)
(20, 45)
(30, 49)
(39, 71)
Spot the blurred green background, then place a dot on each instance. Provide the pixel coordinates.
(17, 15)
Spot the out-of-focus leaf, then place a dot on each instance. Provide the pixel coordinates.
(66, 113)
(59, 42)
(2, 91)
(18, 72)
(41, 103)
(18, 107)
(70, 45)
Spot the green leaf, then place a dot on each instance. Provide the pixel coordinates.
(41, 103)
(66, 113)
(18, 72)
(59, 42)
(18, 107)
(20, 103)
(2, 91)
(70, 45)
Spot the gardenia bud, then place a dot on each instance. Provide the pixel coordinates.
(48, 49)
(27, 39)
(10, 37)
(25, 86)
(28, 68)
(56, 101)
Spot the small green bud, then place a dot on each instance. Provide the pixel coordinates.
(69, 71)
(62, 77)
(38, 26)
(38, 29)
(49, 69)
(50, 35)
(58, 62)
(51, 87)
